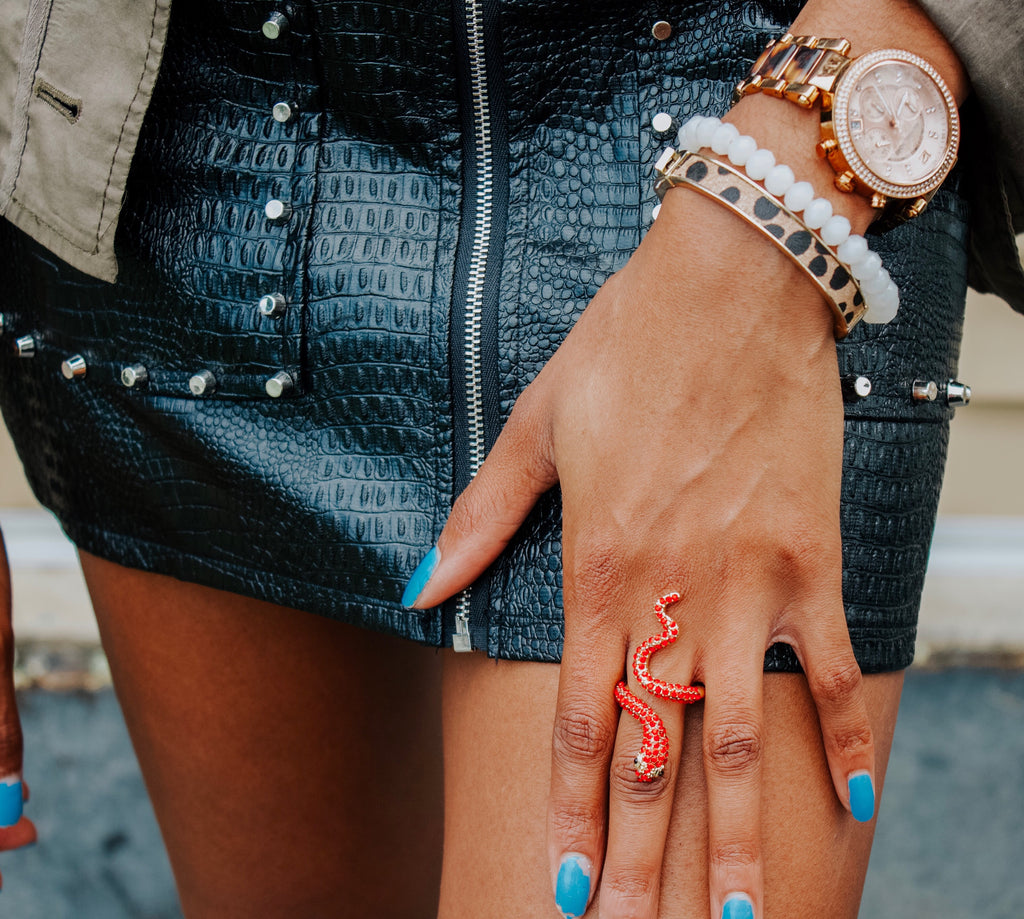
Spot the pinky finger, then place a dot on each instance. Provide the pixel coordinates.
(836, 685)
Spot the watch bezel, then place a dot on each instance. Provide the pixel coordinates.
(839, 118)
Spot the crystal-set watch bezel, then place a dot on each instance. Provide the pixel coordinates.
(836, 126)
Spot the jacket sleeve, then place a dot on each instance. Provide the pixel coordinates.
(988, 35)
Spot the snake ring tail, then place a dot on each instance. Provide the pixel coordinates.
(650, 761)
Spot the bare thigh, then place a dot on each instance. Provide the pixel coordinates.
(294, 763)
(498, 723)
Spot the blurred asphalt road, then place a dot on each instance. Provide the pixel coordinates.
(950, 842)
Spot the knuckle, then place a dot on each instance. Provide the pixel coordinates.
(734, 747)
(11, 751)
(733, 854)
(839, 683)
(854, 740)
(471, 513)
(629, 892)
(808, 559)
(539, 472)
(580, 738)
(526, 434)
(576, 821)
(626, 788)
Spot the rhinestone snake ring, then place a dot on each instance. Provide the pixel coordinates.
(650, 761)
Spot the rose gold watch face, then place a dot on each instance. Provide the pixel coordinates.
(898, 127)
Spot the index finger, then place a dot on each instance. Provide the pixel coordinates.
(586, 724)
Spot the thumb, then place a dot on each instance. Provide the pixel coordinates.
(519, 469)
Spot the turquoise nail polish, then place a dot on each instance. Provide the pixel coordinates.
(10, 803)
(572, 891)
(738, 906)
(420, 577)
(862, 796)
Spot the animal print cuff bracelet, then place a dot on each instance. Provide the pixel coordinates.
(847, 272)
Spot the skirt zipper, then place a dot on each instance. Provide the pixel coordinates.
(479, 306)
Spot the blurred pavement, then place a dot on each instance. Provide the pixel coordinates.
(100, 855)
(949, 844)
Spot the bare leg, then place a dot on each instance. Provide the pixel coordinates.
(498, 722)
(294, 763)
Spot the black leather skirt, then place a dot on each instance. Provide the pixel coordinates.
(346, 249)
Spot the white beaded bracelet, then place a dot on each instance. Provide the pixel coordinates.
(881, 295)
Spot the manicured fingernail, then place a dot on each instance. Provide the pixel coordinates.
(10, 801)
(572, 890)
(420, 577)
(862, 796)
(738, 906)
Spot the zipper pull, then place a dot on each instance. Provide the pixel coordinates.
(461, 640)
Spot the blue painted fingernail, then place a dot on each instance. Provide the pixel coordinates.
(572, 890)
(738, 906)
(11, 802)
(862, 796)
(420, 577)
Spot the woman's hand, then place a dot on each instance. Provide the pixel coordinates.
(693, 418)
(16, 830)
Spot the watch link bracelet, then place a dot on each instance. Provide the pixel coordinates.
(889, 124)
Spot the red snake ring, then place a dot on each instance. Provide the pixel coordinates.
(650, 761)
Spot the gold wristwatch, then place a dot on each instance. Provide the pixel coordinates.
(889, 124)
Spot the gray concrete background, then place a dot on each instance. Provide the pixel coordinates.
(949, 845)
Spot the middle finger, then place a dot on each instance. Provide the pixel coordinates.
(733, 753)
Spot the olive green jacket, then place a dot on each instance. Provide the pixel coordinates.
(76, 77)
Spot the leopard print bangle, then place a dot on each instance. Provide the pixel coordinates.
(771, 217)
